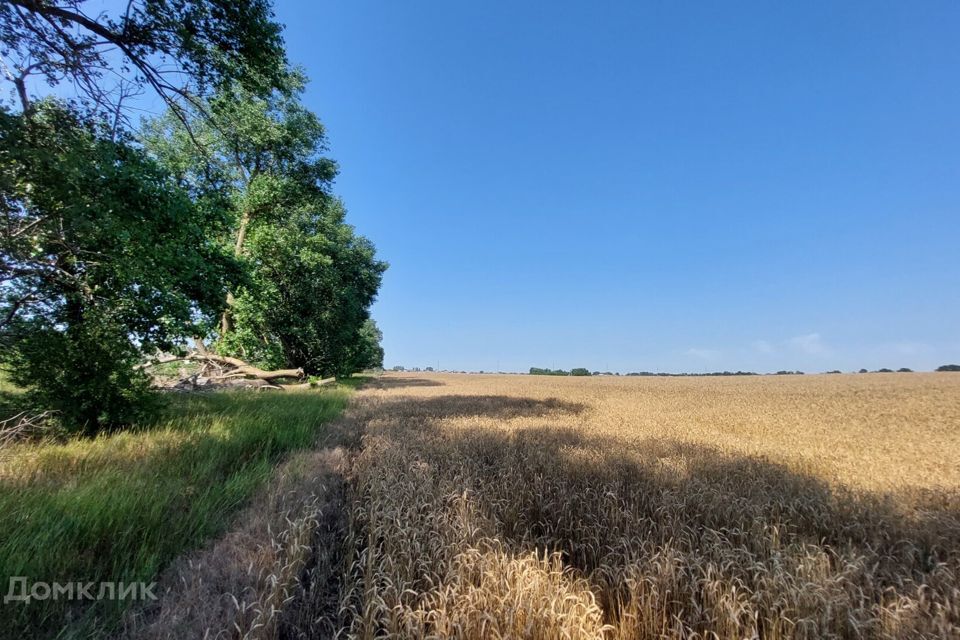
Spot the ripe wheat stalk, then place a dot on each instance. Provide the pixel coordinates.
(507, 507)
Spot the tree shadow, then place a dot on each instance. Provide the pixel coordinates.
(432, 410)
(691, 524)
(384, 382)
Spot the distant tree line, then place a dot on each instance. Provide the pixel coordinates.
(581, 371)
(692, 375)
(782, 372)
(578, 371)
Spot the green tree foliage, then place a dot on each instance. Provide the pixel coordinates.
(101, 259)
(170, 46)
(367, 352)
(949, 367)
(579, 371)
(313, 278)
(107, 255)
(537, 371)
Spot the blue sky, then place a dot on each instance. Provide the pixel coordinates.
(668, 186)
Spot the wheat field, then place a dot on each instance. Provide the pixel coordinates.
(543, 507)
(507, 506)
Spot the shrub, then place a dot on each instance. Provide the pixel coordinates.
(86, 373)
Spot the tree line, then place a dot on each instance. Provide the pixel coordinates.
(577, 371)
(537, 371)
(208, 233)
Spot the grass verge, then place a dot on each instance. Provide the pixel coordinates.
(120, 507)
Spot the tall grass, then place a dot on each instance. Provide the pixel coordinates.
(120, 506)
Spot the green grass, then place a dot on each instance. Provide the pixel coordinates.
(121, 506)
(11, 397)
(6, 386)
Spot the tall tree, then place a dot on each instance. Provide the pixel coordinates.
(312, 278)
(102, 257)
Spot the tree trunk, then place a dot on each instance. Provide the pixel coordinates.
(226, 322)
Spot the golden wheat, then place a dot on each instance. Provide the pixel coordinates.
(549, 508)
(769, 507)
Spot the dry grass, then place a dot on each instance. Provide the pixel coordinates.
(773, 507)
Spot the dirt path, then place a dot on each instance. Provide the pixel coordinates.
(276, 574)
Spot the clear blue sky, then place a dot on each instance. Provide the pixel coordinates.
(675, 186)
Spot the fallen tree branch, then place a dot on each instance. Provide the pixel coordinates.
(23, 425)
(309, 385)
(242, 368)
(227, 367)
